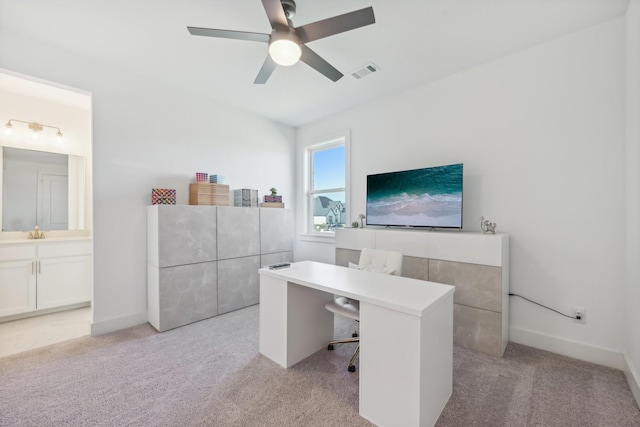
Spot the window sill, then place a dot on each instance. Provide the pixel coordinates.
(318, 237)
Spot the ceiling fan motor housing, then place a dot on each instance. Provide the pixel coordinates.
(289, 7)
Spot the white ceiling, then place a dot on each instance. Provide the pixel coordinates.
(412, 42)
(34, 88)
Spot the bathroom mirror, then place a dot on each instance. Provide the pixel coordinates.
(41, 188)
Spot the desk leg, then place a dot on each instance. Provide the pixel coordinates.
(293, 321)
(406, 364)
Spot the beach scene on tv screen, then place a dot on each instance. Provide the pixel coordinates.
(429, 197)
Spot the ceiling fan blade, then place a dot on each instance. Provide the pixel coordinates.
(314, 60)
(275, 13)
(228, 34)
(337, 24)
(266, 71)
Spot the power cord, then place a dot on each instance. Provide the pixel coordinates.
(548, 308)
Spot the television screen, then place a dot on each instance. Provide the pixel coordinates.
(427, 197)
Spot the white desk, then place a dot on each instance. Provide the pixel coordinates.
(406, 335)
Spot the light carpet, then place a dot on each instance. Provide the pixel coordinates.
(210, 374)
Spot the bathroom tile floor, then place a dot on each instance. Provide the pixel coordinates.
(20, 335)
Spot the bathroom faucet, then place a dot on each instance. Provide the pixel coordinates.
(36, 234)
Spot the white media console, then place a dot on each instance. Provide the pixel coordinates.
(476, 264)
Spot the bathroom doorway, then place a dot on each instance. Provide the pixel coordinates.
(43, 118)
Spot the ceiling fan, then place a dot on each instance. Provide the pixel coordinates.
(287, 44)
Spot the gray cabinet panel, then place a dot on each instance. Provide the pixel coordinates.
(187, 293)
(186, 234)
(476, 285)
(478, 329)
(415, 268)
(345, 256)
(276, 258)
(238, 232)
(276, 230)
(238, 283)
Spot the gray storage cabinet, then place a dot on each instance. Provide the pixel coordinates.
(203, 261)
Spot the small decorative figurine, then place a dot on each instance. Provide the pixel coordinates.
(487, 227)
(273, 191)
(361, 217)
(355, 224)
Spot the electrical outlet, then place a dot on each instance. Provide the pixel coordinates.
(580, 313)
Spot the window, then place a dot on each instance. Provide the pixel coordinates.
(327, 186)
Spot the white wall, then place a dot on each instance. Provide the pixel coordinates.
(632, 279)
(541, 136)
(148, 135)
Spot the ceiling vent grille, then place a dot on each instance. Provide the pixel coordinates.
(365, 70)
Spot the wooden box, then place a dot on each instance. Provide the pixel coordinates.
(205, 193)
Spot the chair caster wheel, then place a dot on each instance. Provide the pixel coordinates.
(354, 335)
(330, 347)
(351, 368)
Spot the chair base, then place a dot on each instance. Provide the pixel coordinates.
(351, 367)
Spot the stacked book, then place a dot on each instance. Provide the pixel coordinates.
(205, 193)
(272, 201)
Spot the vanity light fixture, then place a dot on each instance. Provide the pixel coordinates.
(34, 126)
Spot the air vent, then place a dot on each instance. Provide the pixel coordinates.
(365, 70)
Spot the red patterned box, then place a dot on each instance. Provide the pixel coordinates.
(163, 196)
(202, 177)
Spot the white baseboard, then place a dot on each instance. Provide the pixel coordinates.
(115, 324)
(575, 349)
(632, 378)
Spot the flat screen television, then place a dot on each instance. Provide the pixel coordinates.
(427, 197)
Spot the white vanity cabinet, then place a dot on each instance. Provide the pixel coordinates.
(64, 274)
(44, 275)
(17, 279)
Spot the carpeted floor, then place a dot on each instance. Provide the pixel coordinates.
(211, 374)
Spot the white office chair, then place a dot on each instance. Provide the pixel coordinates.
(375, 260)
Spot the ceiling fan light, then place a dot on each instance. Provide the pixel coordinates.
(285, 49)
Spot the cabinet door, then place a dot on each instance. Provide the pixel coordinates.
(238, 232)
(238, 283)
(186, 294)
(17, 287)
(63, 281)
(276, 230)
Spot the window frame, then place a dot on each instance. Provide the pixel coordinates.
(338, 140)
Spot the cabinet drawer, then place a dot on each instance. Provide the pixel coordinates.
(10, 252)
(59, 249)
